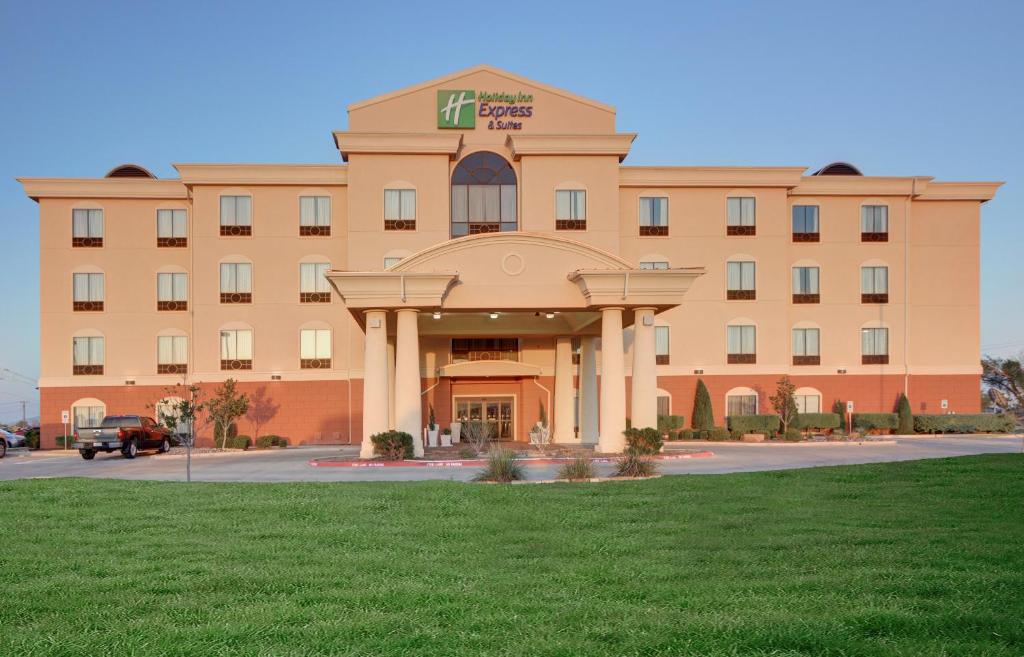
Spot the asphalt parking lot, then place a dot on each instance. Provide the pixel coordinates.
(293, 464)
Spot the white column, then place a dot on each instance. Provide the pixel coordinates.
(613, 383)
(408, 409)
(391, 384)
(645, 376)
(588, 390)
(375, 379)
(564, 415)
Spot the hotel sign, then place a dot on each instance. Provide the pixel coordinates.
(459, 109)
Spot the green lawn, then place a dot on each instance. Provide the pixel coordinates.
(920, 558)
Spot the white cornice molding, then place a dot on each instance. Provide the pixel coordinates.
(398, 143)
(142, 188)
(617, 144)
(710, 176)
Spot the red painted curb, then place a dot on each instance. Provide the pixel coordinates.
(469, 463)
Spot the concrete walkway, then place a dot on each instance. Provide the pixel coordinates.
(293, 464)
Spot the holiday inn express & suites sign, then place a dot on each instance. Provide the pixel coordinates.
(459, 108)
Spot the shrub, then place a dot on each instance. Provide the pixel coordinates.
(967, 423)
(766, 424)
(466, 453)
(670, 423)
(238, 442)
(818, 421)
(634, 465)
(905, 418)
(392, 445)
(685, 434)
(717, 434)
(62, 440)
(32, 438)
(839, 408)
(271, 440)
(793, 435)
(874, 421)
(578, 469)
(703, 414)
(643, 441)
(502, 466)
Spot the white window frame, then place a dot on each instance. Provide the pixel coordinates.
(94, 285)
(743, 273)
(176, 282)
(817, 218)
(874, 279)
(176, 346)
(744, 396)
(229, 343)
(571, 204)
(745, 333)
(87, 222)
(93, 349)
(316, 344)
(391, 261)
(229, 271)
(801, 403)
(315, 210)
(171, 223)
(649, 220)
(869, 341)
(812, 279)
(229, 210)
(320, 282)
(662, 334)
(801, 344)
(401, 206)
(874, 218)
(741, 211)
(654, 264)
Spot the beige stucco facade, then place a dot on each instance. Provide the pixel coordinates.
(559, 288)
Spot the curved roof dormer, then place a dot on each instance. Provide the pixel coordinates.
(129, 171)
(838, 169)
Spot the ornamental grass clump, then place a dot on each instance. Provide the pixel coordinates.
(502, 467)
(635, 465)
(578, 469)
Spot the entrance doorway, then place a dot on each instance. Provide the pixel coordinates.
(497, 412)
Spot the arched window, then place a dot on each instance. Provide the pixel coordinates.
(483, 195)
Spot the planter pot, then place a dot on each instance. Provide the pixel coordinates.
(456, 432)
(446, 440)
(432, 437)
(752, 438)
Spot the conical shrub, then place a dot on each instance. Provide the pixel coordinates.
(703, 414)
(905, 423)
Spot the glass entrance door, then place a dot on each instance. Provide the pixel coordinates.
(497, 412)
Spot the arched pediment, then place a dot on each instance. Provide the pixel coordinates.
(454, 255)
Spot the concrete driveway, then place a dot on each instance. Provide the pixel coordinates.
(293, 464)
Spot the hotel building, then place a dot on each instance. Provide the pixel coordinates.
(482, 250)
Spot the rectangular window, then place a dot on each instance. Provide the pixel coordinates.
(172, 291)
(88, 417)
(570, 209)
(313, 285)
(87, 355)
(874, 223)
(808, 403)
(469, 349)
(236, 349)
(740, 281)
(742, 344)
(235, 215)
(86, 228)
(874, 285)
(805, 285)
(171, 228)
(236, 282)
(654, 264)
(874, 346)
(483, 209)
(88, 292)
(661, 345)
(400, 209)
(742, 216)
(314, 216)
(805, 346)
(171, 354)
(741, 405)
(805, 223)
(653, 216)
(315, 348)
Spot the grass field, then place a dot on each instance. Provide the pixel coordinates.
(917, 558)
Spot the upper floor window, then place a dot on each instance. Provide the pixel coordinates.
(171, 228)
(315, 348)
(570, 209)
(874, 285)
(399, 209)
(806, 347)
(87, 228)
(661, 345)
(874, 223)
(171, 354)
(87, 355)
(805, 285)
(236, 282)
(483, 195)
(654, 264)
(172, 291)
(654, 216)
(236, 349)
(742, 344)
(235, 215)
(741, 216)
(874, 346)
(314, 216)
(740, 281)
(805, 223)
(88, 292)
(313, 284)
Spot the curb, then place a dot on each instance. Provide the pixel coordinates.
(473, 463)
(830, 443)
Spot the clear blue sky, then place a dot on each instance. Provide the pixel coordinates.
(898, 88)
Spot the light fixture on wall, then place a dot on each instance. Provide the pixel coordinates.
(275, 377)
(129, 382)
(840, 371)
(437, 314)
(698, 371)
(550, 315)
(494, 315)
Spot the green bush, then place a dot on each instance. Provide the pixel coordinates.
(875, 421)
(32, 438)
(61, 441)
(578, 469)
(717, 434)
(643, 441)
(270, 440)
(793, 435)
(238, 442)
(818, 421)
(670, 423)
(466, 453)
(502, 466)
(634, 465)
(685, 434)
(966, 423)
(703, 414)
(766, 424)
(392, 445)
(905, 418)
(839, 408)
(218, 433)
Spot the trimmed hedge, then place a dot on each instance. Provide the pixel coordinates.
(875, 421)
(670, 423)
(643, 441)
(238, 442)
(392, 445)
(966, 423)
(270, 440)
(818, 421)
(717, 434)
(767, 424)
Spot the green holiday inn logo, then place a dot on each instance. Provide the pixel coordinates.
(456, 109)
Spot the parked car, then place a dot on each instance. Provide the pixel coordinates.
(128, 433)
(10, 440)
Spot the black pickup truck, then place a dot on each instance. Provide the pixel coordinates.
(128, 433)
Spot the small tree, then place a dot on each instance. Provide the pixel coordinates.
(784, 402)
(839, 408)
(703, 415)
(1006, 377)
(226, 406)
(477, 433)
(432, 420)
(906, 417)
(184, 411)
(542, 415)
